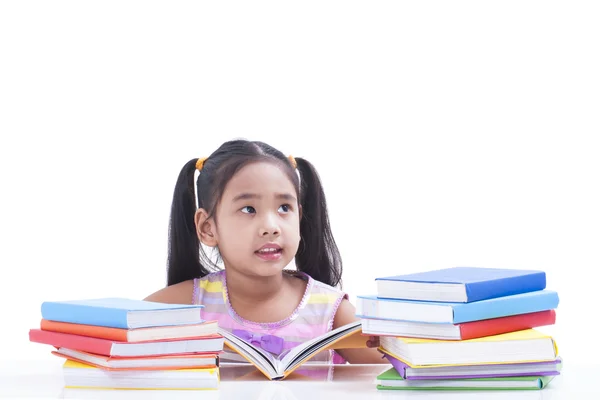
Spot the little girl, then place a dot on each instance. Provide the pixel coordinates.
(259, 210)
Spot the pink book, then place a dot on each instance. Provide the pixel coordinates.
(113, 348)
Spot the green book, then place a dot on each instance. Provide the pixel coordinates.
(391, 380)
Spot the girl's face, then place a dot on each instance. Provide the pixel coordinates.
(257, 226)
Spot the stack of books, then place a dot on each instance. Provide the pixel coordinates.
(118, 343)
(463, 328)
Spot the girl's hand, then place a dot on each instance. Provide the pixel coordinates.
(373, 342)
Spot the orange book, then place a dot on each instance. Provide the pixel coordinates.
(206, 328)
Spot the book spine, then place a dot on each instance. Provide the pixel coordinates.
(505, 287)
(86, 315)
(504, 306)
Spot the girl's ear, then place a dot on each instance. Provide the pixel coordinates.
(205, 228)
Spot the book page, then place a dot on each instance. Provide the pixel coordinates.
(302, 352)
(258, 357)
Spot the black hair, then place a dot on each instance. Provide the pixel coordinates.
(317, 255)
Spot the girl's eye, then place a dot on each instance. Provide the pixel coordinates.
(284, 208)
(248, 210)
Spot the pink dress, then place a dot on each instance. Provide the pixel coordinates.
(313, 316)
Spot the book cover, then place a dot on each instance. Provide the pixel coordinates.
(391, 380)
(121, 313)
(461, 284)
(542, 368)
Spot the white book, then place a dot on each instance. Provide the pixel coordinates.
(521, 346)
(276, 368)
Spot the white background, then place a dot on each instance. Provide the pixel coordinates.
(446, 133)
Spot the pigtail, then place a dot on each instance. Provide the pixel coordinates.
(318, 255)
(183, 256)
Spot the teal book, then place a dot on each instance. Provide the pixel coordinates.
(371, 306)
(391, 380)
(121, 313)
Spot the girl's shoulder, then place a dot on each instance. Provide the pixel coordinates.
(186, 292)
(214, 278)
(210, 283)
(179, 293)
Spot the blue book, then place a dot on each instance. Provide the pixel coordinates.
(454, 313)
(460, 284)
(121, 313)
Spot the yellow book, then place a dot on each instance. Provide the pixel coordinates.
(79, 375)
(528, 345)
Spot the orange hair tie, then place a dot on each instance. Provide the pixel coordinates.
(200, 163)
(292, 161)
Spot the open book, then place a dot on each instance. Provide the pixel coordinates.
(279, 367)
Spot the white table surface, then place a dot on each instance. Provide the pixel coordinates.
(43, 379)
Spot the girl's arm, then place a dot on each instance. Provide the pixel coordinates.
(370, 355)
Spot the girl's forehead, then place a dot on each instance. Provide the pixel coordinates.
(259, 178)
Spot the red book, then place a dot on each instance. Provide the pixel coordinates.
(106, 347)
(461, 331)
(512, 323)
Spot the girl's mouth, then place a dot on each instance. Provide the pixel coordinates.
(269, 253)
